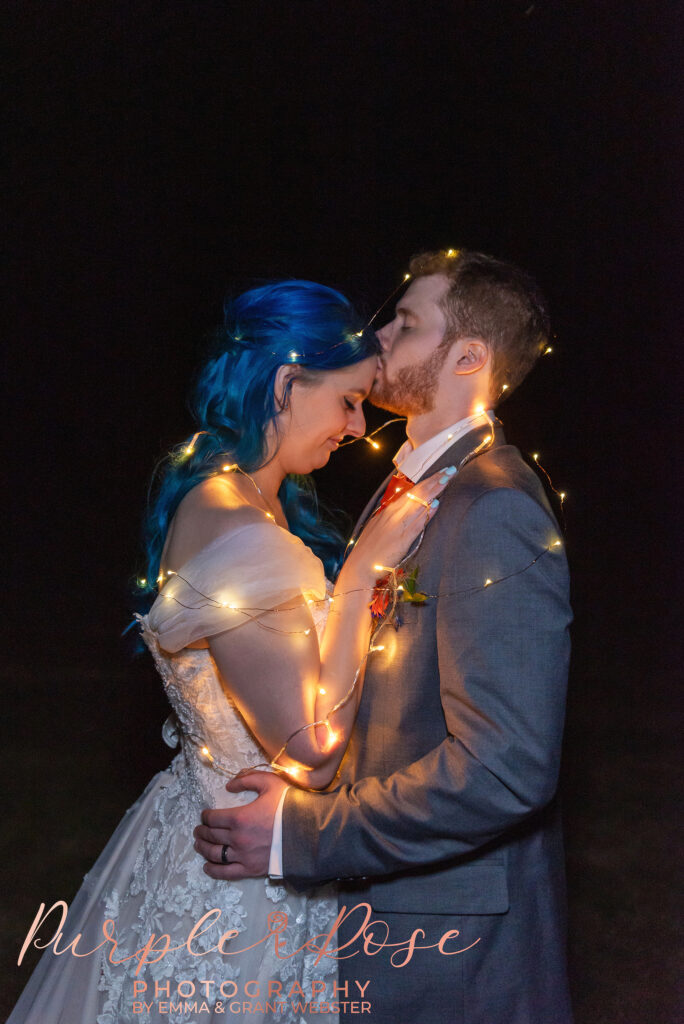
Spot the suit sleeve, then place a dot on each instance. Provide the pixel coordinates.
(503, 652)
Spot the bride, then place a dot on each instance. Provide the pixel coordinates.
(262, 662)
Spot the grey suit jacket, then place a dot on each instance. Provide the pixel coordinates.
(446, 808)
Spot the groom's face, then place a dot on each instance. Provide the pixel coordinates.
(413, 356)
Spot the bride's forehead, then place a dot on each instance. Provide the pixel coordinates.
(359, 375)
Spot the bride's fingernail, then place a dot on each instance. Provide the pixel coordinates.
(434, 503)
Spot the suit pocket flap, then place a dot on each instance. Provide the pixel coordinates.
(464, 889)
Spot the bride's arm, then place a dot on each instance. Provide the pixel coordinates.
(279, 678)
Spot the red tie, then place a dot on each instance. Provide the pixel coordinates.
(399, 483)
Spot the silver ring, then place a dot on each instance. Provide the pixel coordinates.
(224, 851)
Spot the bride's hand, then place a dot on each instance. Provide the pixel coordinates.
(389, 534)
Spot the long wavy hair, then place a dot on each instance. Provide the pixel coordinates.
(291, 322)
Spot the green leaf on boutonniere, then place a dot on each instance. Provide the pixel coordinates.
(410, 592)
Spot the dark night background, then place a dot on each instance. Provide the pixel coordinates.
(162, 155)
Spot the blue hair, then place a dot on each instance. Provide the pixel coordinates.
(290, 322)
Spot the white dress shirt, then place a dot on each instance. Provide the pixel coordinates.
(413, 463)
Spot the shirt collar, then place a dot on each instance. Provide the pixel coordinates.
(414, 462)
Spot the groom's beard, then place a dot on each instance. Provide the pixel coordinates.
(412, 391)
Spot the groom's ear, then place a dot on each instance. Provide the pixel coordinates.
(282, 385)
(469, 355)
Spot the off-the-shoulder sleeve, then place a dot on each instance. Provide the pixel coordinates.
(251, 567)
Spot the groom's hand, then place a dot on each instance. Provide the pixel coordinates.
(245, 831)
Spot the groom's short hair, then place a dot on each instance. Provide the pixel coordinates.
(495, 301)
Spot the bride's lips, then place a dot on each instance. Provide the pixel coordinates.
(334, 442)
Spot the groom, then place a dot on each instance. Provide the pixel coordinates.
(446, 818)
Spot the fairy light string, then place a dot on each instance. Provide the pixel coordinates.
(391, 585)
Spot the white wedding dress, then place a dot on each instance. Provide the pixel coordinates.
(149, 878)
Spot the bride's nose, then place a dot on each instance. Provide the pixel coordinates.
(356, 423)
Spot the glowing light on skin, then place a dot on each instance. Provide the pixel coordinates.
(333, 736)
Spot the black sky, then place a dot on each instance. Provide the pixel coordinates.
(162, 155)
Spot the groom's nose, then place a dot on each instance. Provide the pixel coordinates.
(384, 337)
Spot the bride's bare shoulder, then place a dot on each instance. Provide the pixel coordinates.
(225, 491)
(206, 512)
